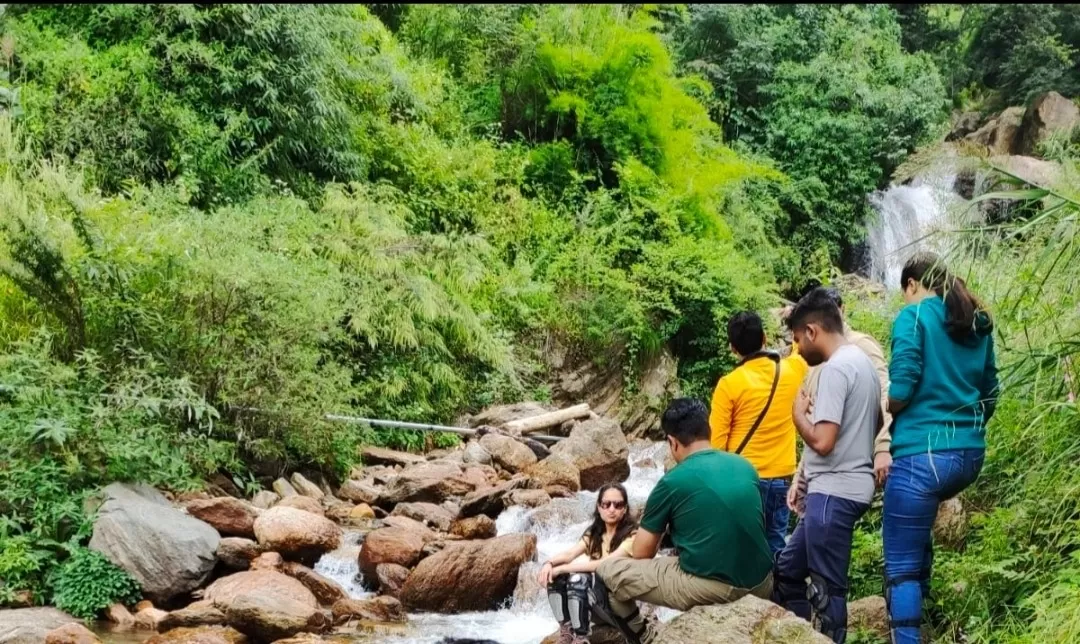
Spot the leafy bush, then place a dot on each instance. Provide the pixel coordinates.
(225, 99)
(828, 93)
(88, 583)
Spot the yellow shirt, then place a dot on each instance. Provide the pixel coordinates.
(738, 401)
(625, 548)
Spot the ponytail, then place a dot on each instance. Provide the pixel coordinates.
(962, 309)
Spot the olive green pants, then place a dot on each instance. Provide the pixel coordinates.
(662, 582)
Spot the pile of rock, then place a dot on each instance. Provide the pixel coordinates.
(228, 569)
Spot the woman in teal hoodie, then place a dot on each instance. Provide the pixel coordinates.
(942, 391)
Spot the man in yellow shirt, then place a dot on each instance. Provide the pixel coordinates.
(751, 416)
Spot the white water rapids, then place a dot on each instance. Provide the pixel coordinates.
(528, 619)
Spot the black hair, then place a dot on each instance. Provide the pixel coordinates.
(687, 420)
(746, 333)
(817, 307)
(834, 294)
(962, 308)
(594, 534)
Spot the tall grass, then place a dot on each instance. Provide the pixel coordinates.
(1018, 577)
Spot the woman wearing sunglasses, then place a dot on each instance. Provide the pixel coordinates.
(609, 535)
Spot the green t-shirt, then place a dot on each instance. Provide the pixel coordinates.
(712, 506)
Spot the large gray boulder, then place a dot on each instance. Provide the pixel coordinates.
(168, 552)
(30, 625)
(746, 621)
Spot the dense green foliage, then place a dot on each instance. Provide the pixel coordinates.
(826, 91)
(219, 222)
(998, 55)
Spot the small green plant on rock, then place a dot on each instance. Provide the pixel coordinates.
(87, 583)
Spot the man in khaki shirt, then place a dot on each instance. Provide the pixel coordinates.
(882, 458)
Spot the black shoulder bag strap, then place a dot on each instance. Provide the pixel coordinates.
(776, 379)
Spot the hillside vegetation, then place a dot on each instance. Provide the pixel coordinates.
(220, 222)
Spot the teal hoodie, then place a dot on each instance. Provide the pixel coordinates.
(950, 387)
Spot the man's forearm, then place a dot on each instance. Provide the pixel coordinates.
(805, 428)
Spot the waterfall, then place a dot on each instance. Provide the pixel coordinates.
(528, 619)
(907, 216)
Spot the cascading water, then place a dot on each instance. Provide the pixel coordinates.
(907, 218)
(528, 619)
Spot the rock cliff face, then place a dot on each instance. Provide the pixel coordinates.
(1019, 130)
(604, 388)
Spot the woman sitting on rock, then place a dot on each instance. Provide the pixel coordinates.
(568, 580)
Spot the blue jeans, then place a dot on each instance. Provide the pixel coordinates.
(774, 502)
(820, 548)
(915, 487)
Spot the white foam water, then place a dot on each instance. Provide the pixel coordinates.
(343, 566)
(528, 619)
(910, 217)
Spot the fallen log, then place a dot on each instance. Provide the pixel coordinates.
(550, 419)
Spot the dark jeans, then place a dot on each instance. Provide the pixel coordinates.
(774, 502)
(820, 548)
(913, 491)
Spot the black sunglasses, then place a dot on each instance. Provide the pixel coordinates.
(607, 505)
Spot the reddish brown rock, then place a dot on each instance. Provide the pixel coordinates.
(297, 534)
(429, 514)
(412, 525)
(528, 498)
(231, 517)
(223, 592)
(119, 614)
(339, 512)
(598, 449)
(389, 545)
(379, 609)
(70, 634)
(468, 575)
(326, 591)
(306, 487)
(359, 492)
(383, 456)
(555, 470)
(267, 617)
(201, 613)
(1048, 114)
(491, 501)
(558, 492)
(426, 482)
(267, 561)
(200, 635)
(391, 578)
(148, 619)
(478, 527)
(237, 553)
(144, 604)
(299, 502)
(265, 499)
(508, 453)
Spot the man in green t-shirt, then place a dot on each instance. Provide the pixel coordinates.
(711, 506)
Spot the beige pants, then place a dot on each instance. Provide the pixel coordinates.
(662, 582)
